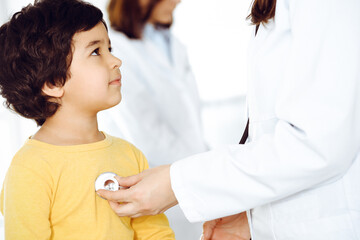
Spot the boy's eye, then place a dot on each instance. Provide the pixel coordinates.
(95, 52)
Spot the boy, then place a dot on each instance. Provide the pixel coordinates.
(56, 68)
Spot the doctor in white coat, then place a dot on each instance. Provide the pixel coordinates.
(160, 110)
(298, 176)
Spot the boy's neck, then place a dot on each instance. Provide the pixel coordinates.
(65, 131)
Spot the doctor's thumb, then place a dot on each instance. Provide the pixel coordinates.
(130, 181)
(208, 229)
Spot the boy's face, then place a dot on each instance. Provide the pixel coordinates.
(95, 80)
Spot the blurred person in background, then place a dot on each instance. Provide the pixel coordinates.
(160, 112)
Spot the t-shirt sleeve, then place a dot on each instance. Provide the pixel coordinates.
(2, 200)
(25, 203)
(152, 228)
(140, 158)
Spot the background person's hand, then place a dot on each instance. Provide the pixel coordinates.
(147, 193)
(233, 227)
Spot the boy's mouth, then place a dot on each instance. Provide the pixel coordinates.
(116, 81)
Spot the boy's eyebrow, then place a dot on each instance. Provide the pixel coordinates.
(92, 43)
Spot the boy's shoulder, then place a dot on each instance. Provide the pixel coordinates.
(125, 147)
(32, 158)
(28, 154)
(35, 154)
(122, 143)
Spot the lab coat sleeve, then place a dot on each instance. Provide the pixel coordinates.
(317, 134)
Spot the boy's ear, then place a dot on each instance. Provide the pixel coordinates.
(52, 90)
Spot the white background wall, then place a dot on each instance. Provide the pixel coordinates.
(216, 35)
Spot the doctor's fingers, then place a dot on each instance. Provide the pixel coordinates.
(122, 209)
(130, 181)
(127, 209)
(208, 229)
(122, 195)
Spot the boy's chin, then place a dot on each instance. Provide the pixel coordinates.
(113, 104)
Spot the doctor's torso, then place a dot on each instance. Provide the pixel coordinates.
(274, 76)
(298, 174)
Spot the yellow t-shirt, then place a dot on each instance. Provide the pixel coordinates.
(49, 193)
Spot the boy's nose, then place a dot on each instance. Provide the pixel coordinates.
(117, 63)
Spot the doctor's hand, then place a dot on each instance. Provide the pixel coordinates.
(147, 193)
(233, 227)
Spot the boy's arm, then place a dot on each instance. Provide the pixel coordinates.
(26, 205)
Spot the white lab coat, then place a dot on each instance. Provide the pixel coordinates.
(160, 109)
(299, 174)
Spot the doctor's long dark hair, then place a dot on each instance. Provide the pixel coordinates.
(262, 11)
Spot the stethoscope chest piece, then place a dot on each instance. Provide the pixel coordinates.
(107, 181)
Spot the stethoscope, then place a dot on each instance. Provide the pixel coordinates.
(107, 181)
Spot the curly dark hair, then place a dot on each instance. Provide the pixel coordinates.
(36, 49)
